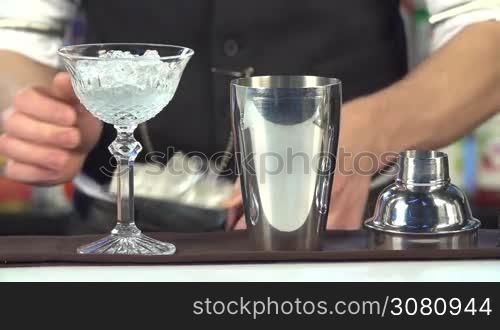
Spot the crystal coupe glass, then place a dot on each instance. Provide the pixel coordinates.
(125, 85)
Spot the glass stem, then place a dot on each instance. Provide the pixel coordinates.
(125, 149)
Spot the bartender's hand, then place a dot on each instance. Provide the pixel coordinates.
(358, 148)
(353, 174)
(47, 134)
(348, 199)
(234, 205)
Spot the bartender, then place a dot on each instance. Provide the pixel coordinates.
(361, 42)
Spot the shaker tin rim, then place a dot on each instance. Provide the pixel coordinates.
(286, 82)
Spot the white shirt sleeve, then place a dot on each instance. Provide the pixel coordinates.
(442, 32)
(39, 46)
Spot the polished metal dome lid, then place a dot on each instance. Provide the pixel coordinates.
(422, 201)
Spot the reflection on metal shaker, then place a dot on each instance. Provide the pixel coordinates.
(286, 130)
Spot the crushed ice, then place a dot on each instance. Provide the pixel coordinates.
(140, 71)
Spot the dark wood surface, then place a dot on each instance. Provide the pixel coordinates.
(221, 247)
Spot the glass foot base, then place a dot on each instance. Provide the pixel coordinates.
(127, 240)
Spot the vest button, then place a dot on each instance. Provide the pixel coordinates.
(231, 48)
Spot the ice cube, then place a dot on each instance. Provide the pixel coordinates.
(130, 70)
(151, 54)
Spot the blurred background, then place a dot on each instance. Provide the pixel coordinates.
(474, 160)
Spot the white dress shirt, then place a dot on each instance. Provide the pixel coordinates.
(45, 14)
(444, 31)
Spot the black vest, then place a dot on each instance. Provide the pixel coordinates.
(361, 42)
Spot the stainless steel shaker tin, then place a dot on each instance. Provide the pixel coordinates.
(286, 130)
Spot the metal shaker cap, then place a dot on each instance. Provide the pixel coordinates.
(422, 200)
(423, 168)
